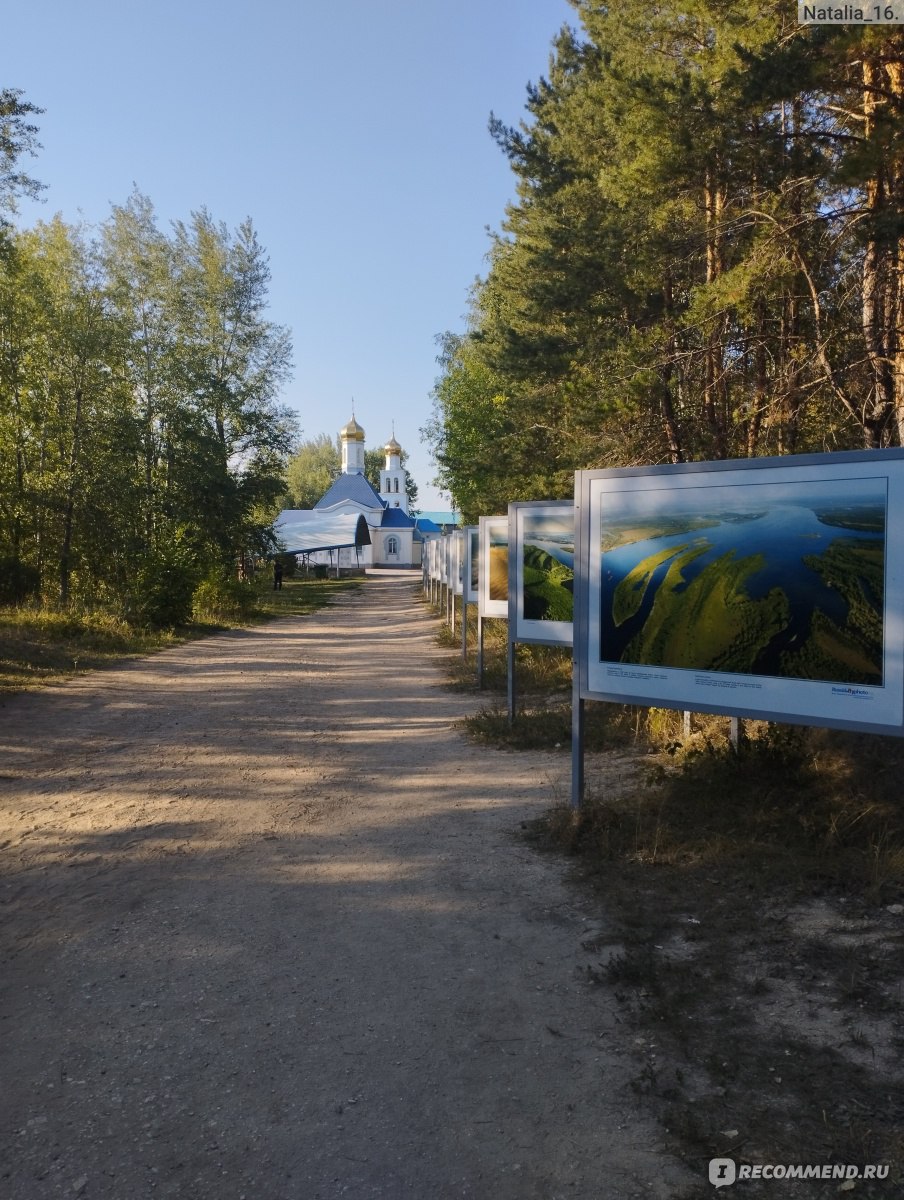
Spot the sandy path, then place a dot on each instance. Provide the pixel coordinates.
(267, 933)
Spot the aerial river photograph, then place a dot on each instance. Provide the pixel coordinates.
(775, 579)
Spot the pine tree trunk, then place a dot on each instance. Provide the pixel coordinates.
(881, 309)
(895, 74)
(667, 406)
(760, 387)
(713, 384)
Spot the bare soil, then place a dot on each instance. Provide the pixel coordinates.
(270, 931)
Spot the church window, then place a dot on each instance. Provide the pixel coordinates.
(392, 545)
(396, 485)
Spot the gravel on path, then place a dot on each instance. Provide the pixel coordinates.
(267, 931)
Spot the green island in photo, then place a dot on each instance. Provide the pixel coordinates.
(712, 624)
(548, 587)
(856, 570)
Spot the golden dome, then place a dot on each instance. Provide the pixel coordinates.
(352, 432)
(392, 447)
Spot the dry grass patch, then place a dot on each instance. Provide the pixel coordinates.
(38, 644)
(755, 937)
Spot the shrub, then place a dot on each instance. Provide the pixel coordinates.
(18, 580)
(220, 597)
(164, 588)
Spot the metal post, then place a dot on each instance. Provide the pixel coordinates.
(686, 727)
(511, 682)
(464, 629)
(579, 643)
(735, 733)
(577, 746)
(479, 649)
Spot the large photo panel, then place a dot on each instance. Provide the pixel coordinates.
(493, 571)
(472, 563)
(760, 587)
(541, 588)
(457, 562)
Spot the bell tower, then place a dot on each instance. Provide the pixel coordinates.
(394, 477)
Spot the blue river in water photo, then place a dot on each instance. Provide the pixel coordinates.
(784, 534)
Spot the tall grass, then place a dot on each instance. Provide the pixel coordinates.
(792, 805)
(38, 644)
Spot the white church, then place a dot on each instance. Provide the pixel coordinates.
(328, 530)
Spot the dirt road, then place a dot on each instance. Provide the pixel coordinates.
(268, 932)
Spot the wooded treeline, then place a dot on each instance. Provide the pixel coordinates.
(140, 434)
(705, 258)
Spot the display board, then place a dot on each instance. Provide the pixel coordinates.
(472, 563)
(493, 589)
(541, 572)
(765, 588)
(457, 561)
(430, 559)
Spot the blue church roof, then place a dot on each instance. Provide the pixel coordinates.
(394, 518)
(350, 487)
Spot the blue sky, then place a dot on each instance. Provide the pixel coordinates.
(354, 135)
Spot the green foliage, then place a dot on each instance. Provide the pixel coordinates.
(18, 581)
(701, 261)
(373, 465)
(311, 470)
(18, 137)
(471, 433)
(138, 395)
(165, 587)
(222, 599)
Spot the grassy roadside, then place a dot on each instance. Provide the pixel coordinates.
(41, 645)
(750, 927)
(543, 720)
(754, 929)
